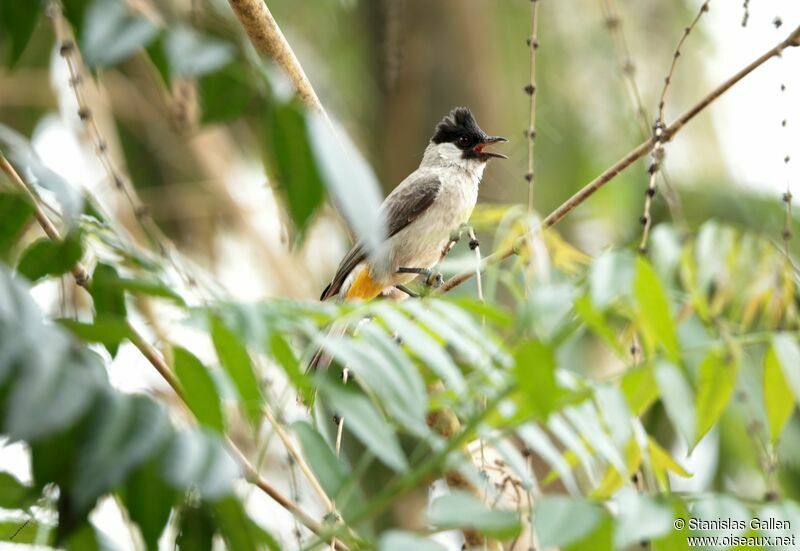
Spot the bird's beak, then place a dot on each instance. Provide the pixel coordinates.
(489, 140)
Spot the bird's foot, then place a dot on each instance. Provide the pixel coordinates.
(429, 277)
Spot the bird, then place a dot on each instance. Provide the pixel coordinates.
(421, 214)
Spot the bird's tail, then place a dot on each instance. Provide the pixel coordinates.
(322, 358)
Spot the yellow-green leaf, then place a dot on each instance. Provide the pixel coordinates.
(718, 373)
(662, 463)
(653, 310)
(778, 398)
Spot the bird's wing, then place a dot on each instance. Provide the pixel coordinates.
(403, 205)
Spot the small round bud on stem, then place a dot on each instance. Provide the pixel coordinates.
(529, 89)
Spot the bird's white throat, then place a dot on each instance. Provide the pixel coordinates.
(447, 155)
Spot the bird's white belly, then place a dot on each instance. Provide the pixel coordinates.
(420, 244)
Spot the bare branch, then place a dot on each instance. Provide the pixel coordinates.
(635, 154)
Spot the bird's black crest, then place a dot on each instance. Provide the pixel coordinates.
(459, 127)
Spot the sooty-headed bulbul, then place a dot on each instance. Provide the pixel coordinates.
(421, 214)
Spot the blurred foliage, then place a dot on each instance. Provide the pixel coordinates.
(589, 377)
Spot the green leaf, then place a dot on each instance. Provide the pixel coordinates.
(26, 532)
(561, 520)
(397, 540)
(74, 11)
(283, 354)
(535, 370)
(123, 432)
(225, 94)
(429, 351)
(199, 389)
(49, 258)
(329, 469)
(238, 529)
(289, 155)
(639, 388)
(107, 295)
(718, 373)
(460, 509)
(13, 493)
(779, 400)
(366, 422)
(610, 276)
(148, 501)
(112, 33)
(192, 54)
(196, 528)
(106, 330)
(788, 353)
(108, 298)
(653, 310)
(678, 399)
(596, 321)
(15, 214)
(199, 461)
(17, 21)
(236, 362)
(30, 167)
(381, 365)
(59, 375)
(602, 539)
(348, 178)
(641, 518)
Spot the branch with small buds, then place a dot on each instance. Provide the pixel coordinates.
(530, 90)
(631, 157)
(657, 153)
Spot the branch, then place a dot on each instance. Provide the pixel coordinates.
(637, 153)
(266, 36)
(157, 361)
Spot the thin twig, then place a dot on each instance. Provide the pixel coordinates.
(295, 454)
(627, 67)
(635, 154)
(657, 152)
(530, 89)
(158, 362)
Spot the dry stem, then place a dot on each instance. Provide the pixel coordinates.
(635, 154)
(530, 133)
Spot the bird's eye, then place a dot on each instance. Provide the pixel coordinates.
(463, 141)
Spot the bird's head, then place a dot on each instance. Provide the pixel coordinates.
(460, 130)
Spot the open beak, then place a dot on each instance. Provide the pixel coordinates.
(489, 140)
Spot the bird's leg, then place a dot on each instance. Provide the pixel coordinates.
(431, 279)
(407, 291)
